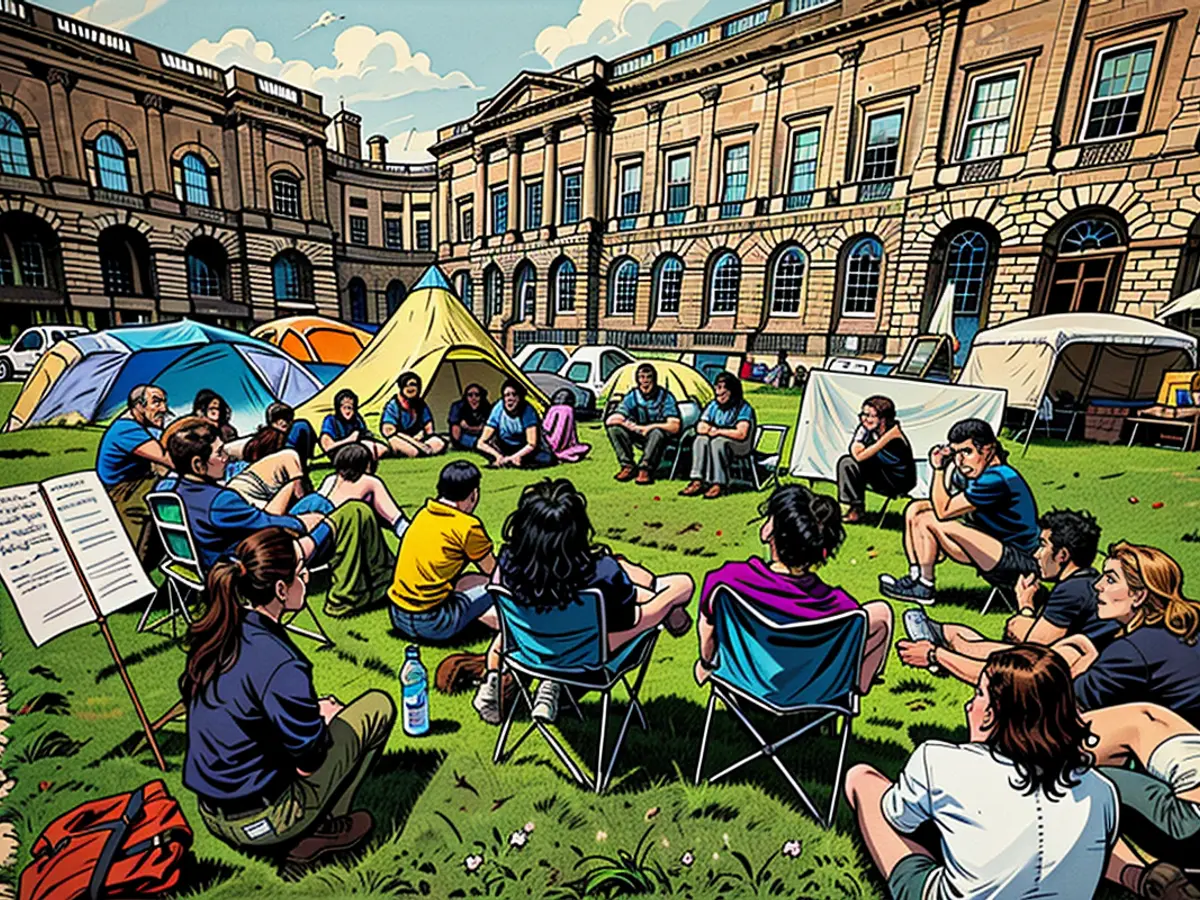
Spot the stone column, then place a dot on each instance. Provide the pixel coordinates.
(156, 177)
(549, 182)
(513, 145)
(1062, 54)
(939, 71)
(766, 155)
(590, 187)
(61, 82)
(844, 130)
(650, 190)
(316, 177)
(481, 187)
(705, 164)
(445, 201)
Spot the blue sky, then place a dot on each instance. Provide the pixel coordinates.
(406, 66)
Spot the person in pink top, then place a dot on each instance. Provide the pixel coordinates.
(558, 427)
(802, 530)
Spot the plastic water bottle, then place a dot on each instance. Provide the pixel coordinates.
(414, 689)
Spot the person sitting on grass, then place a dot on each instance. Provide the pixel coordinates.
(780, 374)
(346, 426)
(126, 461)
(991, 524)
(513, 434)
(407, 423)
(880, 459)
(433, 596)
(1066, 550)
(467, 417)
(274, 768)
(1160, 802)
(348, 539)
(558, 428)
(549, 557)
(1019, 810)
(354, 478)
(273, 482)
(212, 406)
(648, 417)
(803, 531)
(724, 433)
(281, 430)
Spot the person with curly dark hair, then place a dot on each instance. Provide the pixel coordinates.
(1019, 809)
(550, 555)
(803, 530)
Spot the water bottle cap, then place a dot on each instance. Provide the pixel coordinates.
(412, 651)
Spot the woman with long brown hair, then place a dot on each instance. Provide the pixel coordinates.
(1019, 810)
(274, 767)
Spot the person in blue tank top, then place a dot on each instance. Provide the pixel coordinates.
(991, 524)
(407, 424)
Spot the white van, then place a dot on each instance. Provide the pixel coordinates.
(19, 357)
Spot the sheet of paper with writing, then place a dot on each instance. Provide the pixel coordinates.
(97, 540)
(36, 569)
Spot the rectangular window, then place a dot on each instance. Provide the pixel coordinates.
(625, 66)
(499, 210)
(687, 42)
(737, 176)
(1118, 92)
(424, 235)
(393, 234)
(533, 205)
(990, 116)
(358, 230)
(572, 194)
(881, 155)
(679, 187)
(286, 191)
(795, 6)
(630, 200)
(358, 202)
(744, 23)
(466, 221)
(805, 147)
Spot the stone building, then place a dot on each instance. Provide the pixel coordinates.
(138, 184)
(812, 175)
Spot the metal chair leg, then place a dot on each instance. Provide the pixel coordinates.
(837, 774)
(887, 501)
(712, 705)
(603, 734)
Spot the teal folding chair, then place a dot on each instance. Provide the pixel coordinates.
(569, 646)
(784, 667)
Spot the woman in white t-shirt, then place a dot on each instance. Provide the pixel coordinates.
(1019, 810)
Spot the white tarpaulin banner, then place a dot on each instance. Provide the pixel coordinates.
(926, 410)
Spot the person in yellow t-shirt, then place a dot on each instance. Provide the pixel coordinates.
(433, 596)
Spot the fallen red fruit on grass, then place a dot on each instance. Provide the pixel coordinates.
(718, 534)
(45, 785)
(1158, 504)
(1133, 500)
(658, 498)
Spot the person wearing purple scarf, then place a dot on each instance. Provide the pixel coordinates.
(802, 530)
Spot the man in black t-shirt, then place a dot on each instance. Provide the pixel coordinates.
(1067, 545)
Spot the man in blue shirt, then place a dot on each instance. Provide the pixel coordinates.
(407, 423)
(348, 539)
(128, 452)
(648, 417)
(726, 431)
(991, 524)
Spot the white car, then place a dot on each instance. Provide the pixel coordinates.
(19, 357)
(590, 367)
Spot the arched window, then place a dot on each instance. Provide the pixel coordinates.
(787, 282)
(493, 292)
(357, 292)
(726, 284)
(112, 164)
(395, 295)
(525, 292)
(292, 276)
(564, 286)
(970, 256)
(125, 262)
(668, 285)
(29, 256)
(206, 267)
(14, 148)
(192, 181)
(465, 286)
(623, 288)
(285, 195)
(860, 288)
(1086, 266)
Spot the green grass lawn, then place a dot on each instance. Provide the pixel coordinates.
(73, 735)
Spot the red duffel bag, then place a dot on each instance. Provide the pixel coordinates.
(130, 845)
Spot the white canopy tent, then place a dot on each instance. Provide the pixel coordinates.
(1184, 303)
(926, 410)
(1091, 356)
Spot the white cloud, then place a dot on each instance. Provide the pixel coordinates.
(117, 14)
(368, 65)
(412, 146)
(612, 27)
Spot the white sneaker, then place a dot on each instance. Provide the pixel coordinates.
(545, 703)
(487, 699)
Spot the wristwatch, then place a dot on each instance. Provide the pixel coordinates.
(931, 657)
(1026, 611)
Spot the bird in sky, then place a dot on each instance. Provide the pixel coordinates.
(323, 20)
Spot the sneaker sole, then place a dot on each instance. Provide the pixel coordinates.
(887, 591)
(543, 714)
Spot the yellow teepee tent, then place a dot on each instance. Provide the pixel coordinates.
(433, 335)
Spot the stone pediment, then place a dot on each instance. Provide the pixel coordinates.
(526, 89)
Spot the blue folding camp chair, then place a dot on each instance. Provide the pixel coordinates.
(569, 646)
(784, 667)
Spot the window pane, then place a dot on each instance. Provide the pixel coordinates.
(195, 181)
(726, 285)
(499, 211)
(1119, 93)
(393, 233)
(670, 285)
(533, 205)
(572, 192)
(883, 147)
(424, 235)
(737, 174)
(14, 153)
(287, 279)
(989, 118)
(564, 290)
(286, 191)
(111, 167)
(967, 268)
(631, 190)
(358, 230)
(788, 284)
(805, 145)
(1089, 234)
(204, 280)
(466, 225)
(863, 265)
(526, 293)
(624, 298)
(679, 182)
(493, 293)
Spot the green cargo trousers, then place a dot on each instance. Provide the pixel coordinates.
(361, 565)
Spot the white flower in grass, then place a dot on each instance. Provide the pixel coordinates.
(518, 839)
(687, 859)
(601, 835)
(792, 849)
(716, 856)
(528, 829)
(725, 838)
(472, 863)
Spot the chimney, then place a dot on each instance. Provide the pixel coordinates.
(347, 134)
(377, 148)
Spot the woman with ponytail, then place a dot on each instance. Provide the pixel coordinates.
(802, 530)
(274, 767)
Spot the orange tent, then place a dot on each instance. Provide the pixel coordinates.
(314, 339)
